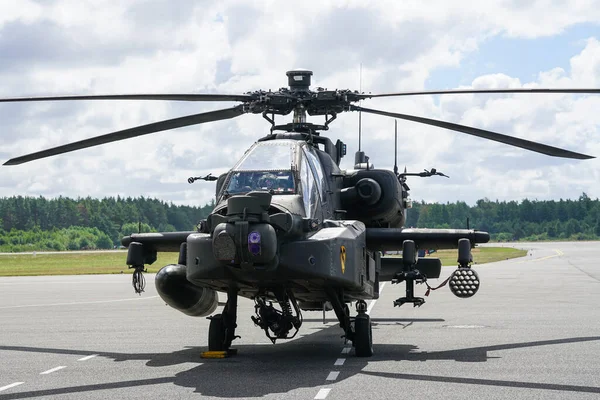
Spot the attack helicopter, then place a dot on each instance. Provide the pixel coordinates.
(291, 230)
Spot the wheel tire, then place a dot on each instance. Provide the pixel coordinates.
(216, 334)
(363, 336)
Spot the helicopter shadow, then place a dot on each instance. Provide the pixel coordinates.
(260, 370)
(380, 320)
(401, 322)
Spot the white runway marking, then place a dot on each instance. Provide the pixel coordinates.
(78, 303)
(372, 304)
(12, 385)
(53, 370)
(322, 394)
(333, 375)
(87, 357)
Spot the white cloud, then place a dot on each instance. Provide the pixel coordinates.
(235, 46)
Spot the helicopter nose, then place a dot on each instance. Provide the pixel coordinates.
(245, 235)
(242, 242)
(224, 247)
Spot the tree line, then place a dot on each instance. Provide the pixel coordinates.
(530, 220)
(37, 223)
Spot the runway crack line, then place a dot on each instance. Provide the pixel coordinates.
(585, 272)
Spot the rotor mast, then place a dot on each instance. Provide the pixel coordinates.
(299, 83)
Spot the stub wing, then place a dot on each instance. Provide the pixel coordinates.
(391, 239)
(382, 239)
(158, 241)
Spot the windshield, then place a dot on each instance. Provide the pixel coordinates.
(277, 182)
(274, 155)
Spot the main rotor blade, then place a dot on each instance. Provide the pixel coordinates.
(497, 137)
(173, 97)
(133, 132)
(460, 91)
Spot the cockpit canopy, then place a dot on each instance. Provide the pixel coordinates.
(268, 156)
(265, 166)
(279, 182)
(281, 167)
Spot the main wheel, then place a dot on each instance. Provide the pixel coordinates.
(216, 334)
(363, 336)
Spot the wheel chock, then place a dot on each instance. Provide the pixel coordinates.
(218, 354)
(214, 354)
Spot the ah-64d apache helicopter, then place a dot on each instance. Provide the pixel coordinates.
(290, 227)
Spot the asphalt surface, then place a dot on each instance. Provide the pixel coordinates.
(531, 332)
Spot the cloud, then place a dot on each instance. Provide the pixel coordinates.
(72, 47)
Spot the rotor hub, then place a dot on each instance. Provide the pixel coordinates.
(299, 79)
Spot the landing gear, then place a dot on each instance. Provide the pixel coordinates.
(363, 336)
(216, 334)
(363, 331)
(358, 329)
(221, 331)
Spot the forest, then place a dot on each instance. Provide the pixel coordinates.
(37, 223)
(40, 224)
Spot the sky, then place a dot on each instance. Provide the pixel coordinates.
(75, 47)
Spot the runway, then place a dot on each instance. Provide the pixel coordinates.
(531, 332)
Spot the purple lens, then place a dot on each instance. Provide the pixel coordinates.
(254, 237)
(254, 248)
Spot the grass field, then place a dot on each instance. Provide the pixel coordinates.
(481, 255)
(78, 263)
(113, 262)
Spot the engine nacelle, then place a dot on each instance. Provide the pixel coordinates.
(174, 288)
(373, 197)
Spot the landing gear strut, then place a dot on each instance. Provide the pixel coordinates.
(358, 329)
(221, 331)
(363, 331)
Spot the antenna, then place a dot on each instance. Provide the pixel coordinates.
(359, 128)
(396, 148)
(360, 112)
